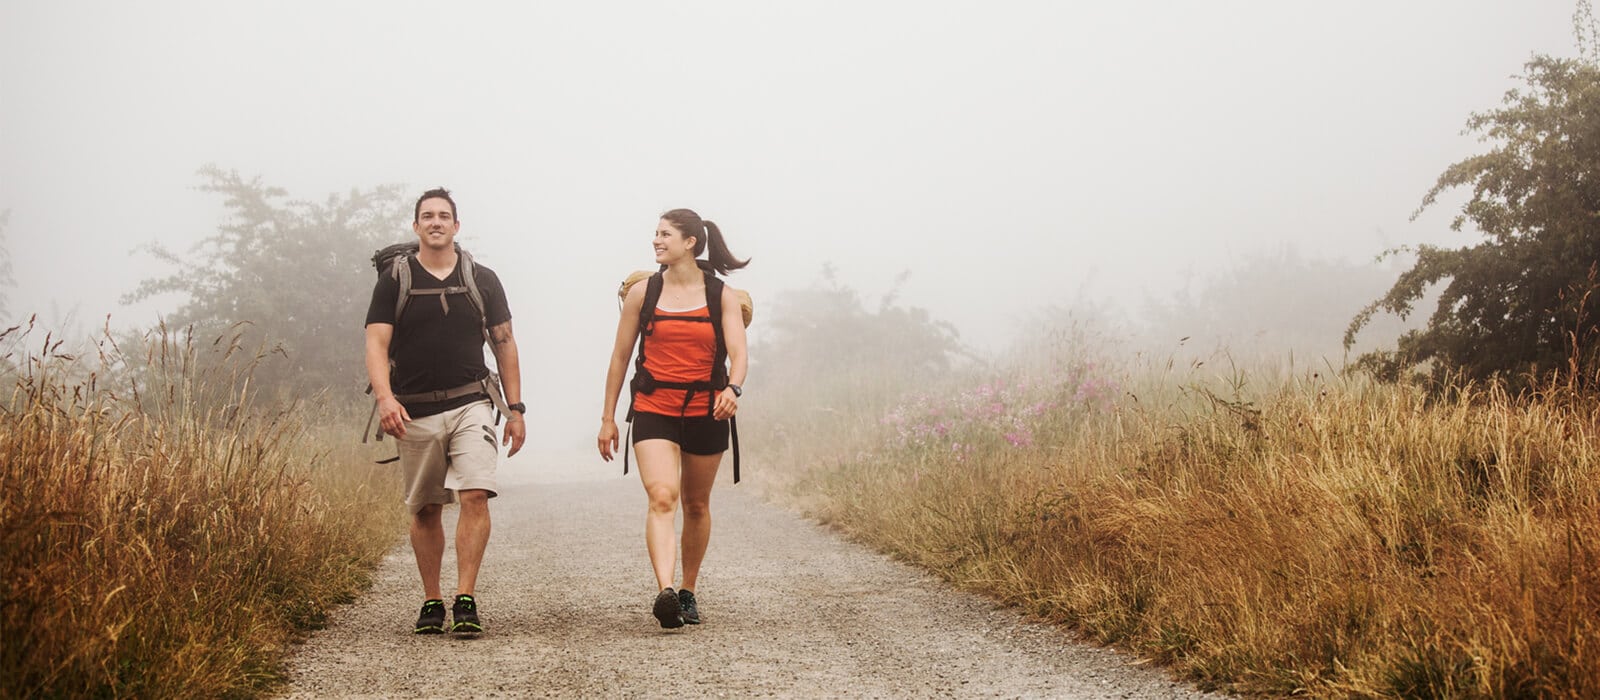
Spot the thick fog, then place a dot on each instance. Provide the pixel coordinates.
(1007, 155)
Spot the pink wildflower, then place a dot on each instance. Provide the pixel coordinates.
(1019, 438)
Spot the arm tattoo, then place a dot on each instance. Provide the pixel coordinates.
(501, 334)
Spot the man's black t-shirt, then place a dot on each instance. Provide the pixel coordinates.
(434, 350)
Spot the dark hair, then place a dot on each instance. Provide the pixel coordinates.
(705, 234)
(435, 193)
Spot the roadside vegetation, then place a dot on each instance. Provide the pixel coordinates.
(179, 504)
(165, 529)
(1421, 522)
(1272, 534)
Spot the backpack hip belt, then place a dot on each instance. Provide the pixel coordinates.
(441, 395)
(489, 385)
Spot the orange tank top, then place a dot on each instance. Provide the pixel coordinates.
(679, 351)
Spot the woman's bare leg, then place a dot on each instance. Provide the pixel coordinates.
(658, 470)
(699, 473)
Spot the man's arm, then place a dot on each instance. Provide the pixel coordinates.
(392, 417)
(504, 346)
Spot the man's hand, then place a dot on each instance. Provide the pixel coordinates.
(608, 438)
(392, 417)
(516, 432)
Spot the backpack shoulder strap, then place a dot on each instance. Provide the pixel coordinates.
(647, 311)
(647, 315)
(714, 307)
(469, 279)
(719, 359)
(400, 269)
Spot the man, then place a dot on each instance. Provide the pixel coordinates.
(427, 372)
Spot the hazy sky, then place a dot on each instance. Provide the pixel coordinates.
(1007, 154)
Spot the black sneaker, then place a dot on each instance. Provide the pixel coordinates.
(687, 609)
(666, 609)
(431, 621)
(465, 617)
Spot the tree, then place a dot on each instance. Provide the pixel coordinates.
(1514, 305)
(297, 273)
(822, 346)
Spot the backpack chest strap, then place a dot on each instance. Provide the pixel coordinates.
(441, 292)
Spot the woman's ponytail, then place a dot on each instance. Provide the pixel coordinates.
(721, 258)
(707, 236)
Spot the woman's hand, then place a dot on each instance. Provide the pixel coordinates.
(727, 405)
(608, 438)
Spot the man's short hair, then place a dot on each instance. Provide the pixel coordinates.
(435, 193)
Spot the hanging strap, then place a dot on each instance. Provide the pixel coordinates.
(370, 416)
(628, 442)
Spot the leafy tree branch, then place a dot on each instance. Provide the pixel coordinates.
(298, 272)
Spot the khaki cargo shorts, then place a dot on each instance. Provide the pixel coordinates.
(448, 452)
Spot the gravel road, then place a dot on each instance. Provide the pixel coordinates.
(790, 610)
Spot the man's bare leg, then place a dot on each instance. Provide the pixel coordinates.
(472, 539)
(427, 543)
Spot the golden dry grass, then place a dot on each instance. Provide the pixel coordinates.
(1337, 538)
(157, 540)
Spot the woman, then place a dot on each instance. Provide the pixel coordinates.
(682, 396)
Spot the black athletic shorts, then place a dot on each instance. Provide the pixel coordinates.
(696, 435)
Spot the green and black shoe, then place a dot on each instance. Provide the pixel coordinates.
(687, 608)
(431, 621)
(465, 617)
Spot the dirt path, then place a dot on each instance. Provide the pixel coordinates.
(790, 610)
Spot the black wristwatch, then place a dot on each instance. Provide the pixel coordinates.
(737, 391)
(519, 407)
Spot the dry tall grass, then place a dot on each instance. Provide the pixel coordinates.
(161, 536)
(1336, 538)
